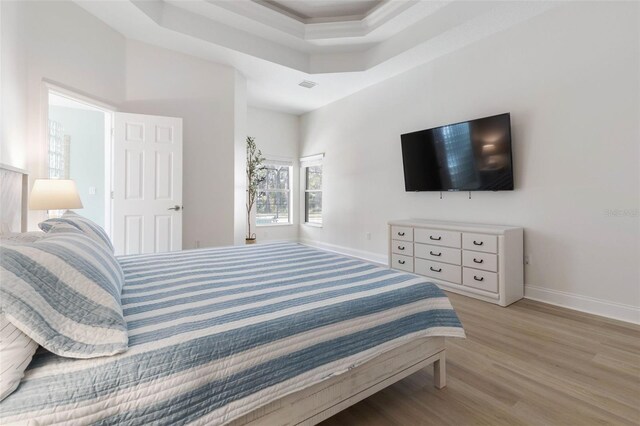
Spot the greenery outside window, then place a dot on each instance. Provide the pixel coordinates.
(313, 195)
(273, 205)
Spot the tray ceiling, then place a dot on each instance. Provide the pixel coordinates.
(343, 46)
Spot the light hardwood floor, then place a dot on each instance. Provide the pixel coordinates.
(530, 363)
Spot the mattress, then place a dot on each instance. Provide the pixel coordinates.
(217, 333)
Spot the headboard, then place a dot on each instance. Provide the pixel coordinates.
(14, 190)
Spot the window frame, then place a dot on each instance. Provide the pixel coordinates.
(306, 163)
(278, 163)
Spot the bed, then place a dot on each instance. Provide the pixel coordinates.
(13, 199)
(269, 334)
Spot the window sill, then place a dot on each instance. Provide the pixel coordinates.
(313, 225)
(270, 225)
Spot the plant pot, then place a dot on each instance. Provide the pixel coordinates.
(250, 240)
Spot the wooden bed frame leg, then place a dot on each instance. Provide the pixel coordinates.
(440, 371)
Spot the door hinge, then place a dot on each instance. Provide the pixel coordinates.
(112, 195)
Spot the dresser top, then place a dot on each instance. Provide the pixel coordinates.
(455, 226)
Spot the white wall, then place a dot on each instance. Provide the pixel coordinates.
(203, 94)
(239, 159)
(68, 46)
(86, 131)
(570, 79)
(56, 42)
(277, 136)
(13, 88)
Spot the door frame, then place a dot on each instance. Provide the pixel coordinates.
(109, 110)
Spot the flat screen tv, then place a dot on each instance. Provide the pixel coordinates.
(469, 156)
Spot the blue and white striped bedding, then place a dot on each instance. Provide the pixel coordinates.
(81, 223)
(217, 333)
(63, 291)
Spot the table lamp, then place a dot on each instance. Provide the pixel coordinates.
(54, 194)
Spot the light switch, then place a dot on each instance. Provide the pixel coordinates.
(92, 190)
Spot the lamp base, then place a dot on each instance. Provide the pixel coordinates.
(54, 214)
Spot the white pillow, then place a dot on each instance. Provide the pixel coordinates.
(16, 351)
(23, 237)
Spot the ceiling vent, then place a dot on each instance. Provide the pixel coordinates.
(307, 84)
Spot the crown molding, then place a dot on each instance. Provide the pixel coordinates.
(257, 12)
(263, 14)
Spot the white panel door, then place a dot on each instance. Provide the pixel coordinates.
(147, 184)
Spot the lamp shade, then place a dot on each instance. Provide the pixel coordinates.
(54, 194)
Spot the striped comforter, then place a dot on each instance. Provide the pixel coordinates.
(217, 333)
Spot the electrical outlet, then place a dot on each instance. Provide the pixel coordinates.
(266, 234)
(368, 235)
(527, 259)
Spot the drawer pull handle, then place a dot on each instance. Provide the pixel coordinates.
(435, 270)
(401, 262)
(435, 254)
(400, 247)
(401, 234)
(478, 261)
(478, 279)
(431, 237)
(478, 243)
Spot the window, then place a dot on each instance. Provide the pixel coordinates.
(274, 196)
(313, 195)
(58, 151)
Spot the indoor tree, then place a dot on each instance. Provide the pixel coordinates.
(255, 176)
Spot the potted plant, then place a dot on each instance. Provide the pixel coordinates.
(255, 176)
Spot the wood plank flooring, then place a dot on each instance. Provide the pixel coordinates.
(528, 364)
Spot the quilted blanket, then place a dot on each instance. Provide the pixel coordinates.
(217, 333)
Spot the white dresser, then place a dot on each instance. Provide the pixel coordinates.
(481, 261)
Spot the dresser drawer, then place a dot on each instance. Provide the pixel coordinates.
(404, 263)
(482, 280)
(441, 271)
(402, 233)
(474, 259)
(437, 253)
(402, 247)
(437, 237)
(480, 242)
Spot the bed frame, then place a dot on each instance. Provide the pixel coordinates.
(308, 406)
(14, 184)
(321, 401)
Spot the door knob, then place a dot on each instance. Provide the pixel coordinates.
(176, 208)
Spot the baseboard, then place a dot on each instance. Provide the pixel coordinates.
(277, 240)
(380, 259)
(591, 305)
